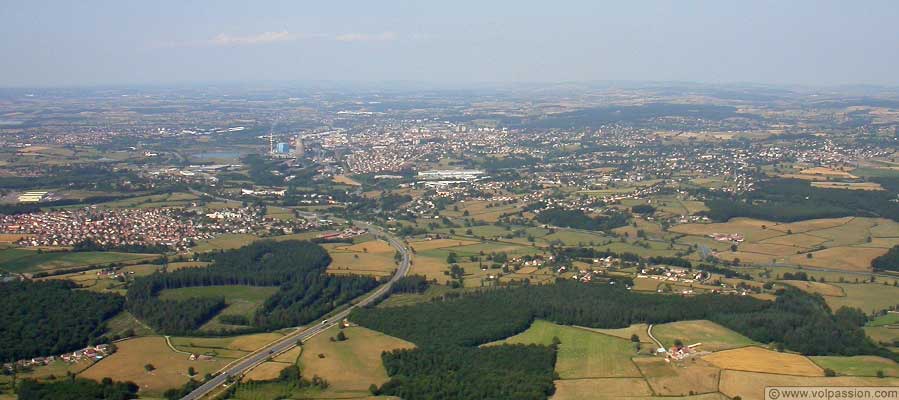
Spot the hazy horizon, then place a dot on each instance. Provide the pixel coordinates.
(99, 43)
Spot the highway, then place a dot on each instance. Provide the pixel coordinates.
(243, 365)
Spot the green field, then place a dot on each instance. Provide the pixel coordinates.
(865, 296)
(241, 300)
(583, 353)
(158, 200)
(406, 299)
(875, 172)
(225, 242)
(713, 337)
(858, 365)
(30, 261)
(124, 322)
(884, 320)
(231, 347)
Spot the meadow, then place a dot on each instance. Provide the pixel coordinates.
(230, 347)
(127, 364)
(858, 365)
(374, 257)
(352, 365)
(241, 300)
(713, 337)
(31, 261)
(582, 353)
(848, 243)
(227, 241)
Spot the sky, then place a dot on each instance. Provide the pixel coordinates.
(86, 43)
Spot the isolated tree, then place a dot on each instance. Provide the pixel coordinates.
(149, 367)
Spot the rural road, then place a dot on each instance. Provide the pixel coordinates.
(658, 343)
(289, 341)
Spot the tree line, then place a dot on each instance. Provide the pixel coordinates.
(577, 219)
(296, 267)
(789, 200)
(76, 389)
(798, 320)
(888, 261)
(451, 373)
(490, 315)
(51, 317)
(90, 245)
(410, 284)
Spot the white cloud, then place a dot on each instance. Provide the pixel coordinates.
(262, 38)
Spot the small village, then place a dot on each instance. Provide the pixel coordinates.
(89, 353)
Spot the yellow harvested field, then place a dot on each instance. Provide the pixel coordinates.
(751, 385)
(290, 356)
(811, 225)
(378, 264)
(351, 365)
(823, 289)
(757, 359)
(372, 246)
(852, 232)
(843, 258)
(646, 284)
(751, 229)
(603, 388)
(345, 180)
(127, 364)
(266, 371)
(744, 257)
(848, 185)
(425, 245)
(770, 249)
(883, 243)
(678, 379)
(800, 240)
(527, 270)
(11, 237)
(885, 228)
(253, 342)
(827, 172)
(430, 267)
(804, 177)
